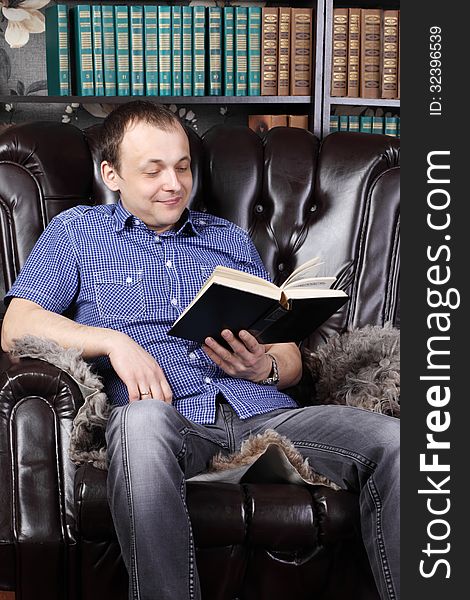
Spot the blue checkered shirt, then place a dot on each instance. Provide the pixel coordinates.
(101, 266)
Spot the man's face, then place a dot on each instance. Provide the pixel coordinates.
(155, 178)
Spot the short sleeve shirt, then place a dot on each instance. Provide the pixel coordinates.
(102, 267)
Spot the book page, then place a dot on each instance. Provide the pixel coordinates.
(309, 292)
(306, 269)
(311, 282)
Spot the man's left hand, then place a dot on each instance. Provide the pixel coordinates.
(247, 360)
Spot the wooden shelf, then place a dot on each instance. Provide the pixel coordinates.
(160, 99)
(365, 102)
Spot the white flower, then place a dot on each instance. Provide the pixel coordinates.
(23, 19)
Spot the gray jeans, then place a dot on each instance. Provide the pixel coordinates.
(152, 449)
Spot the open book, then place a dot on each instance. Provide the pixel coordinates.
(235, 300)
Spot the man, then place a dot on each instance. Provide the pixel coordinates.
(112, 280)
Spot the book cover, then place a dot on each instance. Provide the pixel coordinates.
(215, 50)
(235, 300)
(283, 75)
(371, 25)
(164, 50)
(176, 51)
(241, 51)
(199, 50)
(269, 49)
(97, 49)
(339, 59)
(136, 17)
(299, 121)
(57, 50)
(83, 46)
(150, 50)
(301, 52)
(354, 52)
(187, 50)
(389, 55)
(228, 62)
(109, 50)
(121, 25)
(365, 124)
(254, 51)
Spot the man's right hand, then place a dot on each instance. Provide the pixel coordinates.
(140, 372)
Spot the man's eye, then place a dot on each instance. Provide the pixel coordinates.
(152, 174)
(182, 169)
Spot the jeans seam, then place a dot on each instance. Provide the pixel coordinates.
(374, 494)
(366, 462)
(191, 549)
(134, 576)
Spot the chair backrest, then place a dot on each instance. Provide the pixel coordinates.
(297, 197)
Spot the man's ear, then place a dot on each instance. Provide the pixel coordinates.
(109, 176)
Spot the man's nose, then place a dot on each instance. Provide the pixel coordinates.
(171, 181)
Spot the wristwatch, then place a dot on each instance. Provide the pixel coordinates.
(273, 377)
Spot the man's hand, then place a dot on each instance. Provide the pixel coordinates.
(248, 359)
(139, 371)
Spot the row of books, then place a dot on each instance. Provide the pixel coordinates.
(366, 53)
(154, 50)
(366, 124)
(262, 123)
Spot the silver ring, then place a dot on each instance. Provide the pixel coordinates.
(146, 393)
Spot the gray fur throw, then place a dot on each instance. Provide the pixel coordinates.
(360, 367)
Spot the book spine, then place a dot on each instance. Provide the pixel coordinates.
(353, 123)
(97, 50)
(228, 37)
(299, 121)
(83, 50)
(215, 50)
(199, 50)
(377, 124)
(164, 50)
(121, 24)
(339, 62)
(241, 51)
(109, 50)
(254, 51)
(260, 123)
(365, 124)
(283, 77)
(57, 51)
(391, 126)
(136, 17)
(176, 51)
(301, 52)
(269, 47)
(150, 50)
(371, 21)
(334, 123)
(187, 50)
(389, 55)
(354, 51)
(343, 123)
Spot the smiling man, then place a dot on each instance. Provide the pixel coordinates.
(111, 280)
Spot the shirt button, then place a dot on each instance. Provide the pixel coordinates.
(192, 356)
(174, 301)
(207, 379)
(157, 238)
(169, 263)
(129, 280)
(201, 222)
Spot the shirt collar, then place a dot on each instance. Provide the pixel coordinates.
(187, 223)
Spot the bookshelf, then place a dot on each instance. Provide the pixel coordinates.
(310, 105)
(328, 101)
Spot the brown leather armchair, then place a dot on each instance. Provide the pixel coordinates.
(298, 198)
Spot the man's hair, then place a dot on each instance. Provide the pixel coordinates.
(118, 121)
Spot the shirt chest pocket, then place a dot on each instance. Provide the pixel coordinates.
(119, 294)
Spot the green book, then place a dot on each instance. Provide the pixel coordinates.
(254, 51)
(150, 50)
(215, 51)
(83, 45)
(136, 17)
(109, 50)
(177, 50)
(229, 88)
(121, 25)
(199, 50)
(377, 124)
(57, 51)
(353, 122)
(164, 50)
(391, 126)
(334, 123)
(241, 51)
(398, 126)
(343, 123)
(97, 50)
(187, 50)
(365, 124)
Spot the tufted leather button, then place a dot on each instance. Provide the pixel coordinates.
(313, 208)
(280, 267)
(259, 209)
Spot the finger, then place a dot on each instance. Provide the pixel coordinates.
(217, 353)
(251, 343)
(167, 394)
(237, 346)
(133, 391)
